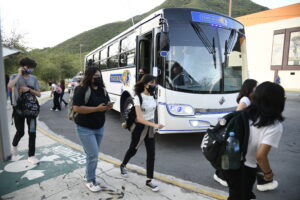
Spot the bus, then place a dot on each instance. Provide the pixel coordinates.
(197, 56)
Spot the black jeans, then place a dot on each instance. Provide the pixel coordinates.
(150, 149)
(240, 183)
(31, 124)
(61, 98)
(56, 104)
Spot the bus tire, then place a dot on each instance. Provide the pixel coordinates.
(128, 103)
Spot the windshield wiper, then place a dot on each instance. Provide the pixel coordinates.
(210, 47)
(228, 45)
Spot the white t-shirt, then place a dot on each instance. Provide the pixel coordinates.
(245, 100)
(148, 106)
(269, 135)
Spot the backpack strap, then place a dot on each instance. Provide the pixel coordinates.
(140, 98)
(246, 128)
(87, 95)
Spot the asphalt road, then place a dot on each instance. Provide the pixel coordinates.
(179, 155)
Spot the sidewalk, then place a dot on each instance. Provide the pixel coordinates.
(60, 175)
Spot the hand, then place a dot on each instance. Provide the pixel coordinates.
(24, 89)
(102, 107)
(110, 105)
(158, 126)
(21, 70)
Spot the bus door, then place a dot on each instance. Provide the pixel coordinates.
(144, 57)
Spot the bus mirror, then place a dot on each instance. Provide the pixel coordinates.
(164, 42)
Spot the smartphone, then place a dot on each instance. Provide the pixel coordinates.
(110, 103)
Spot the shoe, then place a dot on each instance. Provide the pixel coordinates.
(97, 180)
(152, 186)
(56, 110)
(52, 109)
(263, 185)
(124, 171)
(14, 150)
(33, 160)
(93, 186)
(220, 180)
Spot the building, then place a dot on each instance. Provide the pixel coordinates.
(273, 45)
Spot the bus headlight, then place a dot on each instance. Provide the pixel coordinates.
(180, 109)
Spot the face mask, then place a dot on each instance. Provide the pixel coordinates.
(151, 89)
(97, 81)
(28, 71)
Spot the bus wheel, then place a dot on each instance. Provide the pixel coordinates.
(128, 104)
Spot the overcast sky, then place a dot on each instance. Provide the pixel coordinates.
(46, 23)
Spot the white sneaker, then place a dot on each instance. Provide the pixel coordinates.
(33, 160)
(14, 150)
(267, 186)
(221, 181)
(152, 186)
(97, 180)
(93, 186)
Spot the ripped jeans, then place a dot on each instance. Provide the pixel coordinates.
(90, 139)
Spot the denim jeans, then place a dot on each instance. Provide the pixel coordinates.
(90, 139)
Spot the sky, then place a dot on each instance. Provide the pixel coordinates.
(46, 23)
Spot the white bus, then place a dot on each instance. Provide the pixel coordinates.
(198, 57)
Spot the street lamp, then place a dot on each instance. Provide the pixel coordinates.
(229, 9)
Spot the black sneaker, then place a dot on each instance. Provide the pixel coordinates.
(152, 186)
(263, 185)
(220, 179)
(124, 171)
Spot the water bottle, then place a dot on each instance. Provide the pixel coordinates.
(233, 152)
(225, 160)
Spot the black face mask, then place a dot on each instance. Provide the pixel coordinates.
(98, 81)
(151, 89)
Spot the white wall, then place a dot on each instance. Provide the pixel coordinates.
(259, 50)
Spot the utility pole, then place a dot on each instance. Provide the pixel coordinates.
(229, 9)
(80, 45)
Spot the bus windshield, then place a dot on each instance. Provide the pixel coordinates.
(206, 60)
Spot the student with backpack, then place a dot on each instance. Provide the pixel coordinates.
(25, 88)
(61, 97)
(265, 121)
(90, 102)
(142, 130)
(243, 100)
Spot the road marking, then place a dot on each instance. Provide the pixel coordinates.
(143, 172)
(19, 166)
(49, 158)
(33, 174)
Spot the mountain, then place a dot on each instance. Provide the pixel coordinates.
(93, 38)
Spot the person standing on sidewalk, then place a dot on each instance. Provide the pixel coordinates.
(143, 130)
(90, 121)
(63, 87)
(265, 120)
(19, 83)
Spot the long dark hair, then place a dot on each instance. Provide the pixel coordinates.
(62, 82)
(88, 77)
(139, 86)
(247, 89)
(267, 104)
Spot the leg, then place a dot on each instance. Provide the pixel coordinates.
(248, 180)
(233, 178)
(19, 123)
(99, 135)
(150, 148)
(56, 101)
(31, 124)
(88, 140)
(135, 138)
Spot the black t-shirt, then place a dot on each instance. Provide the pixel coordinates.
(92, 120)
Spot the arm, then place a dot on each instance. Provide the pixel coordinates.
(140, 119)
(241, 106)
(87, 109)
(13, 82)
(263, 161)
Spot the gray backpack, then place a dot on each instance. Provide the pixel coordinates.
(71, 112)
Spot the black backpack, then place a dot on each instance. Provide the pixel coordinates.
(28, 105)
(214, 141)
(132, 115)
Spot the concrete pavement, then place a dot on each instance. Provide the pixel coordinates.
(60, 174)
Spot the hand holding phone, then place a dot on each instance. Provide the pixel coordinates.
(110, 105)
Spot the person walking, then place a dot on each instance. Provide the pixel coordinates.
(143, 130)
(61, 97)
(55, 92)
(21, 83)
(243, 100)
(90, 121)
(265, 120)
